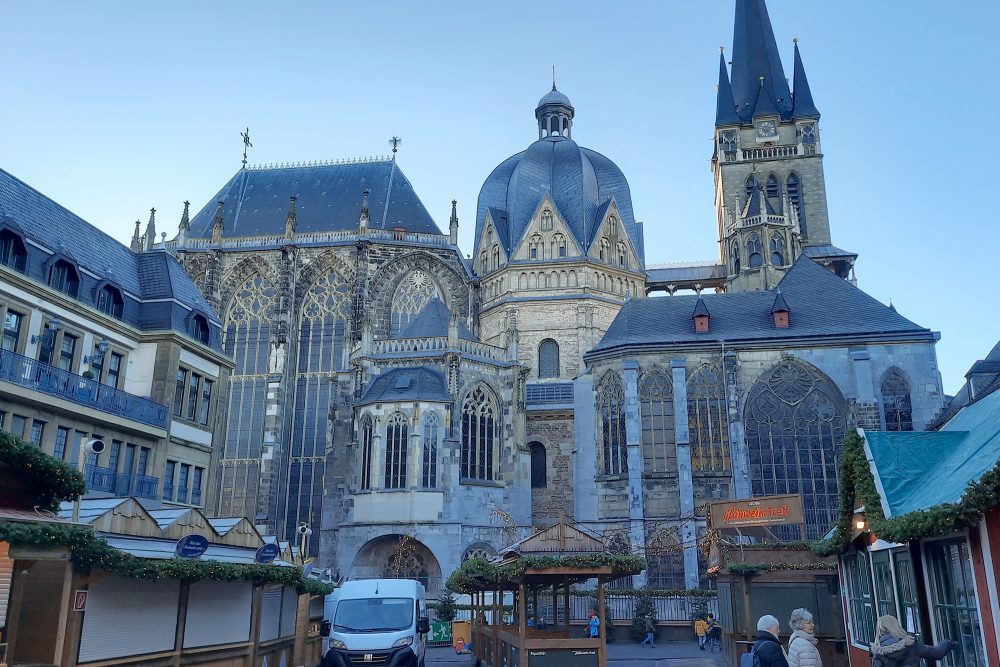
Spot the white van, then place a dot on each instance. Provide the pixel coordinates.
(376, 622)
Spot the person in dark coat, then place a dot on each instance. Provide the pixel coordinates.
(894, 647)
(767, 647)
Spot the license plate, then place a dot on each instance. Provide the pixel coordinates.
(369, 657)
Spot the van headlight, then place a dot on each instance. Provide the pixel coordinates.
(336, 643)
(405, 641)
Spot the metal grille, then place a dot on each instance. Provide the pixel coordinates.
(550, 393)
(548, 359)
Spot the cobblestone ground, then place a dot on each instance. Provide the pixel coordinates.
(666, 654)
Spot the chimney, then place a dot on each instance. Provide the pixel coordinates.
(780, 311)
(700, 316)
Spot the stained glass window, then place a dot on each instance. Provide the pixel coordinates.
(480, 434)
(396, 444)
(795, 422)
(428, 478)
(708, 420)
(367, 431)
(896, 403)
(656, 408)
(415, 291)
(548, 359)
(611, 413)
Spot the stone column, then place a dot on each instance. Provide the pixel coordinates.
(585, 454)
(633, 439)
(738, 452)
(685, 480)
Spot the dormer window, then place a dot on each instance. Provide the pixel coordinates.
(63, 277)
(110, 302)
(12, 251)
(546, 220)
(199, 329)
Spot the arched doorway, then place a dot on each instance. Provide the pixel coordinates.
(398, 556)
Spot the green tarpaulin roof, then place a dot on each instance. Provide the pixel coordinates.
(920, 470)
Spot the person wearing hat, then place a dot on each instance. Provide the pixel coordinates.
(802, 651)
(767, 648)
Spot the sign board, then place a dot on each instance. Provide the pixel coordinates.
(38, 553)
(563, 657)
(80, 600)
(763, 511)
(267, 553)
(191, 546)
(440, 633)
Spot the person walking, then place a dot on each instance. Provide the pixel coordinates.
(894, 647)
(650, 629)
(593, 625)
(701, 631)
(714, 634)
(802, 651)
(767, 647)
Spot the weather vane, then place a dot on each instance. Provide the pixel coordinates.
(553, 77)
(395, 142)
(246, 145)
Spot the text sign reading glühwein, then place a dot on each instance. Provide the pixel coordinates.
(586, 657)
(763, 511)
(191, 546)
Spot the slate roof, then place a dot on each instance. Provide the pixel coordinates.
(667, 274)
(820, 304)
(419, 383)
(432, 322)
(826, 252)
(255, 200)
(802, 104)
(158, 293)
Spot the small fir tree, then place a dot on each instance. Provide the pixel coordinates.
(446, 607)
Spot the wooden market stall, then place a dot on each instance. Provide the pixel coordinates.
(542, 567)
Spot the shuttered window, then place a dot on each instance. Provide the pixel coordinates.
(127, 617)
(218, 613)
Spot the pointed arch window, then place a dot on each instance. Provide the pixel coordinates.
(755, 253)
(548, 359)
(428, 477)
(558, 245)
(656, 411)
(539, 474)
(665, 560)
(751, 186)
(896, 403)
(734, 254)
(13, 253)
(794, 189)
(795, 420)
(535, 247)
(496, 256)
(808, 133)
(612, 225)
(611, 416)
(480, 434)
(622, 255)
(773, 189)
(546, 220)
(110, 302)
(484, 265)
(367, 431)
(777, 251)
(64, 277)
(415, 291)
(396, 441)
(605, 249)
(708, 420)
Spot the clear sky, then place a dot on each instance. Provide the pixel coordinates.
(112, 108)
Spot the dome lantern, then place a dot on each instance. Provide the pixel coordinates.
(555, 115)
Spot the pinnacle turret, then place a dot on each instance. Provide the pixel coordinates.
(725, 107)
(803, 106)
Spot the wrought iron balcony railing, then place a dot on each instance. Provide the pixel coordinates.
(33, 374)
(121, 484)
(100, 479)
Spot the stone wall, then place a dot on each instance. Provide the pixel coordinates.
(554, 430)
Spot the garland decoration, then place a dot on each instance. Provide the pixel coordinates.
(771, 566)
(51, 479)
(478, 574)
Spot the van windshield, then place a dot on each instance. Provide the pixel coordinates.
(374, 615)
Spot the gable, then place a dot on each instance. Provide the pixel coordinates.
(545, 227)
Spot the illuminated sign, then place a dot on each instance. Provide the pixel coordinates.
(764, 511)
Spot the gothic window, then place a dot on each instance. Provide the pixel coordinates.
(12, 251)
(611, 413)
(428, 477)
(548, 359)
(708, 420)
(777, 251)
(367, 431)
(752, 185)
(396, 441)
(539, 476)
(612, 225)
(896, 403)
(480, 434)
(605, 249)
(110, 302)
(558, 245)
(656, 410)
(773, 189)
(535, 247)
(478, 551)
(483, 263)
(794, 189)
(728, 141)
(622, 255)
(63, 277)
(247, 338)
(734, 253)
(198, 328)
(496, 256)
(665, 561)
(755, 252)
(808, 134)
(415, 291)
(795, 421)
(546, 220)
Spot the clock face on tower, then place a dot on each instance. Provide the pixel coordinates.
(766, 128)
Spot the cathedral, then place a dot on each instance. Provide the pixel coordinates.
(414, 406)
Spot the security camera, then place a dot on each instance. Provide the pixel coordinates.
(94, 447)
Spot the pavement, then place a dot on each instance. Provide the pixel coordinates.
(666, 654)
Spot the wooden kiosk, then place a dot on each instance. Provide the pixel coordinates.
(541, 567)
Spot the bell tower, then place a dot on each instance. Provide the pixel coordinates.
(770, 192)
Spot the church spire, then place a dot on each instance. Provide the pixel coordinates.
(453, 223)
(185, 223)
(136, 244)
(803, 106)
(755, 54)
(725, 107)
(151, 230)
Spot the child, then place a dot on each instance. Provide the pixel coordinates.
(701, 630)
(593, 625)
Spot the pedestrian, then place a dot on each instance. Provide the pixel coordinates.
(894, 647)
(768, 648)
(802, 651)
(714, 634)
(593, 625)
(701, 631)
(650, 629)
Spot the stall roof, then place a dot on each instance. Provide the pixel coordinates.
(156, 549)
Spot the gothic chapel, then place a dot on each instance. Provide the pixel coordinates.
(389, 390)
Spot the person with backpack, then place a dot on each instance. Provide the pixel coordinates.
(714, 634)
(767, 650)
(894, 647)
(802, 651)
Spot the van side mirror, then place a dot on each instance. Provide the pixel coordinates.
(324, 629)
(423, 625)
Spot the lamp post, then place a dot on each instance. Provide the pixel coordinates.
(304, 532)
(86, 447)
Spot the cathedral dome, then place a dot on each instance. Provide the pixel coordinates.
(581, 182)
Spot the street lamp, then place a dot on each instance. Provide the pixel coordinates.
(102, 349)
(304, 532)
(86, 447)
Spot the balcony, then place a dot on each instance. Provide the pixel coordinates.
(121, 484)
(32, 374)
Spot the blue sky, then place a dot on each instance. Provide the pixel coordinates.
(112, 108)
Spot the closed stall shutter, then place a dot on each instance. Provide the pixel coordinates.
(289, 607)
(270, 613)
(6, 571)
(316, 606)
(127, 617)
(218, 613)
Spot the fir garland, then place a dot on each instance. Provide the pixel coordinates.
(771, 566)
(52, 479)
(479, 573)
(656, 592)
(91, 553)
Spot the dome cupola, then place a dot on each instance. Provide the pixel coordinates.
(555, 115)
